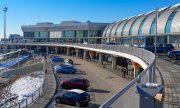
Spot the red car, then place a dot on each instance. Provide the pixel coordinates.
(75, 83)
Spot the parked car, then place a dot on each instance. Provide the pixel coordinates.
(175, 54)
(64, 68)
(70, 61)
(111, 43)
(74, 97)
(161, 48)
(75, 83)
(57, 59)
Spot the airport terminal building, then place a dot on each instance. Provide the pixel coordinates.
(139, 30)
(66, 31)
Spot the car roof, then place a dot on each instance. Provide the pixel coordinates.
(76, 91)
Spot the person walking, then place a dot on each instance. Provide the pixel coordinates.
(124, 71)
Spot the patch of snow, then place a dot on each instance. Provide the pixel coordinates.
(27, 85)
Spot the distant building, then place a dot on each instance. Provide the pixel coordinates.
(15, 37)
(66, 31)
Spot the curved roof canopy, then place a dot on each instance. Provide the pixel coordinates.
(144, 24)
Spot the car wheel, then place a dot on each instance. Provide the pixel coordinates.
(173, 57)
(78, 104)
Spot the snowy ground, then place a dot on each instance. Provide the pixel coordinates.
(24, 87)
(27, 85)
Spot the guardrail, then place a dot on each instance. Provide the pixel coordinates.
(33, 97)
(128, 93)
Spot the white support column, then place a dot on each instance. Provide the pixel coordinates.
(67, 51)
(114, 62)
(77, 52)
(136, 72)
(84, 54)
(167, 38)
(100, 59)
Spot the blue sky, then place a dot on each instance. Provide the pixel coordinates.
(27, 12)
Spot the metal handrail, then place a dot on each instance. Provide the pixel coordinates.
(118, 94)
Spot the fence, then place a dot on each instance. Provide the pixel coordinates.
(23, 70)
(33, 97)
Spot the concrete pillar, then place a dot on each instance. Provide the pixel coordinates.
(77, 52)
(67, 51)
(84, 54)
(56, 50)
(100, 61)
(114, 62)
(167, 38)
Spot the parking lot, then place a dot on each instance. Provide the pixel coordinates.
(103, 84)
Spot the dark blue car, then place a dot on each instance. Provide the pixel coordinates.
(161, 48)
(64, 68)
(74, 97)
(57, 59)
(175, 54)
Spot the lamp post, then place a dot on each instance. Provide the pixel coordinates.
(5, 10)
(156, 26)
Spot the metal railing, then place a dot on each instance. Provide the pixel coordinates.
(128, 93)
(33, 97)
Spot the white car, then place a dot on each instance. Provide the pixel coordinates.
(56, 67)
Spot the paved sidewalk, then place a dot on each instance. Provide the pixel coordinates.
(50, 90)
(171, 75)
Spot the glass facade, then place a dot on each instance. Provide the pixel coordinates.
(80, 33)
(29, 35)
(169, 22)
(43, 34)
(69, 33)
(174, 39)
(36, 34)
(95, 33)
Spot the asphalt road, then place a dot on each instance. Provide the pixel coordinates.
(103, 84)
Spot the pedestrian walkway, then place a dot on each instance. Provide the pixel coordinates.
(171, 75)
(50, 90)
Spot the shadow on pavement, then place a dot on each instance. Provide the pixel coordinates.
(77, 64)
(80, 72)
(93, 105)
(98, 90)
